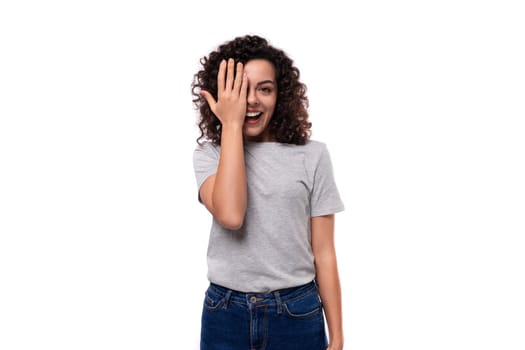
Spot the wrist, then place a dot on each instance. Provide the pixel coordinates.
(231, 130)
(233, 124)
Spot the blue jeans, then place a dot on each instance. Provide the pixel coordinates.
(286, 319)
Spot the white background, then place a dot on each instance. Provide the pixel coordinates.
(421, 103)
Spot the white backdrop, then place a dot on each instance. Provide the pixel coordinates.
(421, 103)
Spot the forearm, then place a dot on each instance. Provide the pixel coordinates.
(330, 292)
(229, 193)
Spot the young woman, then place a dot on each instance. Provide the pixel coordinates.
(271, 257)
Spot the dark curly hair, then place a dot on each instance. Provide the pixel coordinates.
(289, 123)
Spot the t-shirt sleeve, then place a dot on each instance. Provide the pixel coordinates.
(205, 162)
(325, 197)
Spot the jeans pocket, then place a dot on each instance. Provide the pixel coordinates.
(305, 306)
(212, 301)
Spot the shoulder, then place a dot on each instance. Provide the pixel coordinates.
(206, 149)
(207, 146)
(315, 149)
(319, 155)
(315, 144)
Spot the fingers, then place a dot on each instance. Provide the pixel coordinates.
(229, 75)
(239, 74)
(220, 76)
(244, 87)
(232, 86)
(235, 79)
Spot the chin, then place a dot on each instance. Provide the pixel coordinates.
(253, 135)
(257, 131)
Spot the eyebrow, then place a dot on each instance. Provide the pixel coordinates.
(265, 81)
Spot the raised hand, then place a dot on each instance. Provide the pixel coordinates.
(230, 106)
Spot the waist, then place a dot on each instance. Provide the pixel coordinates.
(281, 295)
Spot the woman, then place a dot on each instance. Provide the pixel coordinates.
(272, 195)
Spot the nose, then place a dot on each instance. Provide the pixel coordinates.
(252, 99)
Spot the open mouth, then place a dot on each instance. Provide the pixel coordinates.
(253, 118)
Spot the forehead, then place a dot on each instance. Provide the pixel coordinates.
(260, 69)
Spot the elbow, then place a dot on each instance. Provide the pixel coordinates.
(232, 223)
(230, 216)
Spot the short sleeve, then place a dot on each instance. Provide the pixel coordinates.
(205, 162)
(325, 199)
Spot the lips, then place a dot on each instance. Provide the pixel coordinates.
(253, 117)
(253, 114)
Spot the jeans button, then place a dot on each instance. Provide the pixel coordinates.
(253, 299)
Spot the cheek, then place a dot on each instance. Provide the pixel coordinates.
(270, 108)
(271, 104)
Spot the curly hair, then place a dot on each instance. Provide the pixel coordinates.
(289, 123)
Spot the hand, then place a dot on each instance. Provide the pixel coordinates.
(333, 347)
(230, 106)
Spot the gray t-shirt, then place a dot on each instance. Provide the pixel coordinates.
(287, 185)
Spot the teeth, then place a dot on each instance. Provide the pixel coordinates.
(253, 114)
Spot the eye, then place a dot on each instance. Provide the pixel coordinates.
(266, 90)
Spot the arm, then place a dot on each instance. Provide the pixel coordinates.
(328, 277)
(224, 193)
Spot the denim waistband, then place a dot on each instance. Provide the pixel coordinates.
(278, 296)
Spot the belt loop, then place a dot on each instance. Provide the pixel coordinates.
(278, 302)
(227, 299)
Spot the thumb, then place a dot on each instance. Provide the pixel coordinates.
(209, 98)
